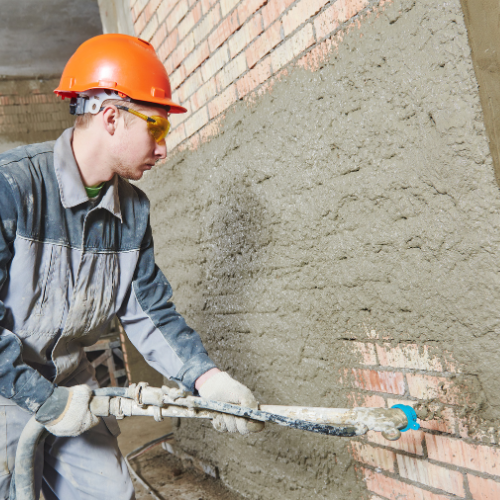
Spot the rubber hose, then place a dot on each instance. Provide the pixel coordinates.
(23, 487)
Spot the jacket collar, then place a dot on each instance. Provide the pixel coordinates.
(71, 187)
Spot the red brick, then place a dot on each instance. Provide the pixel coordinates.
(140, 24)
(210, 129)
(150, 29)
(190, 86)
(230, 72)
(222, 101)
(264, 44)
(175, 137)
(431, 475)
(340, 12)
(446, 390)
(204, 94)
(176, 15)
(247, 7)
(409, 356)
(150, 8)
(138, 8)
(457, 452)
(397, 490)
(373, 380)
(227, 6)
(166, 7)
(254, 77)
(483, 489)
(358, 400)
(245, 35)
(292, 47)
(317, 55)
(159, 37)
(207, 24)
(196, 58)
(374, 456)
(410, 441)
(225, 29)
(205, 6)
(363, 351)
(184, 48)
(188, 23)
(444, 419)
(168, 46)
(196, 121)
(273, 10)
(177, 77)
(300, 13)
(215, 62)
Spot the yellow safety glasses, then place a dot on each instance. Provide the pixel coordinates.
(158, 126)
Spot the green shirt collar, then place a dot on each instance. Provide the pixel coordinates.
(93, 191)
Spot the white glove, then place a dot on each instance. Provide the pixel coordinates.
(222, 387)
(67, 412)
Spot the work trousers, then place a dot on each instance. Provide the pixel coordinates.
(86, 467)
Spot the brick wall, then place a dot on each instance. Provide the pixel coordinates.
(453, 455)
(30, 112)
(218, 52)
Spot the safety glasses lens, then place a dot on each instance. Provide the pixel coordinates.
(159, 128)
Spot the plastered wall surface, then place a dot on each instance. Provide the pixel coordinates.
(356, 204)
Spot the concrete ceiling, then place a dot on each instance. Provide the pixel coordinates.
(37, 37)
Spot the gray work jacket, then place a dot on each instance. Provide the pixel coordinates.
(68, 265)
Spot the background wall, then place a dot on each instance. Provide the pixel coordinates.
(37, 37)
(30, 112)
(336, 241)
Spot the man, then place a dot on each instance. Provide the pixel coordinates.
(76, 249)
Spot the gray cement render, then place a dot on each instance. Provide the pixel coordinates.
(37, 37)
(359, 197)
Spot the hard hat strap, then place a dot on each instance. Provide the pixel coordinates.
(91, 100)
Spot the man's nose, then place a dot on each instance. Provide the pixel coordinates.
(161, 150)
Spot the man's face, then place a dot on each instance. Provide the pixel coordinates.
(135, 149)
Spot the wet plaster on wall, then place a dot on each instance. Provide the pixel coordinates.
(360, 197)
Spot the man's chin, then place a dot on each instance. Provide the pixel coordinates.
(132, 176)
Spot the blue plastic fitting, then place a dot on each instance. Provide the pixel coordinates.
(411, 416)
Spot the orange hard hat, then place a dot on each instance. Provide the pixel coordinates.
(121, 63)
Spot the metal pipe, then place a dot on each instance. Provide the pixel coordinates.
(112, 391)
(331, 421)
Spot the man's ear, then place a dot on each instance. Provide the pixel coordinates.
(110, 118)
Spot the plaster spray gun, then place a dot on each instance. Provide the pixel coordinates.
(142, 400)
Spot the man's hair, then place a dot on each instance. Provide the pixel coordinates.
(83, 121)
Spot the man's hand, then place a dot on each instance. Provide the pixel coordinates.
(66, 412)
(221, 387)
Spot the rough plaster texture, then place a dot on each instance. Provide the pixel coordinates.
(360, 197)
